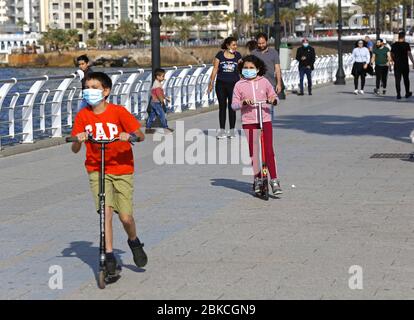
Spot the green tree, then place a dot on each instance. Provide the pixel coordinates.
(129, 32)
(246, 21)
(330, 14)
(215, 18)
(292, 15)
(200, 21)
(184, 30)
(310, 12)
(284, 19)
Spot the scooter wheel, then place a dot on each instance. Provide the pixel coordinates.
(101, 280)
(265, 190)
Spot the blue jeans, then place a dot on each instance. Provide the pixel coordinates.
(157, 110)
(308, 72)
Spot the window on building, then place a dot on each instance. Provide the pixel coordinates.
(78, 15)
(55, 6)
(78, 5)
(176, 4)
(67, 26)
(91, 26)
(90, 16)
(66, 5)
(90, 5)
(67, 15)
(79, 25)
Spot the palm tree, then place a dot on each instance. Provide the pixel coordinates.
(129, 31)
(215, 19)
(310, 12)
(284, 19)
(405, 4)
(200, 21)
(246, 20)
(231, 18)
(388, 7)
(330, 14)
(184, 30)
(263, 23)
(292, 15)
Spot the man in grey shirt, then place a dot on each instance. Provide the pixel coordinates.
(271, 59)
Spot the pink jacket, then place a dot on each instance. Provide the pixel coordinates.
(259, 89)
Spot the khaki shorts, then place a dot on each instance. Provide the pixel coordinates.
(118, 191)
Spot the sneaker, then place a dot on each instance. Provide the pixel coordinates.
(300, 93)
(408, 94)
(221, 134)
(398, 96)
(384, 92)
(361, 91)
(232, 134)
(376, 91)
(257, 185)
(310, 93)
(140, 257)
(111, 264)
(168, 130)
(275, 184)
(149, 130)
(355, 91)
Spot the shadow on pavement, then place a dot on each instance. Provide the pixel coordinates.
(382, 126)
(89, 254)
(242, 186)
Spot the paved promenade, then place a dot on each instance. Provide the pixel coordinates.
(207, 237)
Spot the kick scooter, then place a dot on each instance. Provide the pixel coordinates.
(104, 277)
(264, 192)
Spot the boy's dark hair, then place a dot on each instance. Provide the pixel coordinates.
(262, 35)
(83, 57)
(259, 64)
(360, 40)
(401, 35)
(102, 77)
(159, 72)
(251, 45)
(227, 42)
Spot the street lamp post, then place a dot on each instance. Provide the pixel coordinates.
(340, 74)
(155, 24)
(377, 19)
(277, 25)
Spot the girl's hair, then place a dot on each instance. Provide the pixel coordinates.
(227, 42)
(258, 63)
(363, 41)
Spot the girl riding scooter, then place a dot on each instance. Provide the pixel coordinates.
(252, 88)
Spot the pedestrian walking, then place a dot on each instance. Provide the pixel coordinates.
(361, 58)
(226, 74)
(400, 52)
(381, 56)
(306, 57)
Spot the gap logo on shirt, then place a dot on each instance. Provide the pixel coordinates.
(100, 133)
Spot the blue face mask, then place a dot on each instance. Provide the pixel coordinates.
(93, 96)
(306, 45)
(249, 73)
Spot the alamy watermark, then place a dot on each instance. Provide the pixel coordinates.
(197, 147)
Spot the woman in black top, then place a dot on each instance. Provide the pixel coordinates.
(225, 68)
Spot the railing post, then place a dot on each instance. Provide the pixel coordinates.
(127, 88)
(27, 110)
(57, 107)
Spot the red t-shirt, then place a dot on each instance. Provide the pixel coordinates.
(107, 125)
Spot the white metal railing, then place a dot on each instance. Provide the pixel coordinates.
(44, 107)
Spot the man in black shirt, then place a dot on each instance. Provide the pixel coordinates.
(306, 57)
(400, 52)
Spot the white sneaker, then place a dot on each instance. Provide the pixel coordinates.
(232, 134)
(221, 134)
(356, 91)
(361, 91)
